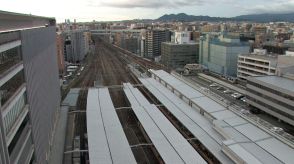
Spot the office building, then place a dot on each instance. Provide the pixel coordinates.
(219, 54)
(272, 94)
(75, 47)
(128, 41)
(180, 52)
(29, 87)
(151, 42)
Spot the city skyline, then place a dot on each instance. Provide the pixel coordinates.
(115, 10)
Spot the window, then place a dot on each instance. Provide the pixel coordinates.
(11, 86)
(9, 58)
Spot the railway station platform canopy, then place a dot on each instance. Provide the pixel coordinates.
(228, 136)
(106, 138)
(168, 141)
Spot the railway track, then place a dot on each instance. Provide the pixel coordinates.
(108, 67)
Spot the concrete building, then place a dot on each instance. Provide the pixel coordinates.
(178, 55)
(261, 63)
(29, 86)
(60, 53)
(151, 42)
(273, 95)
(74, 47)
(285, 66)
(128, 41)
(180, 52)
(220, 54)
(256, 64)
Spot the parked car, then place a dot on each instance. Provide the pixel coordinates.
(227, 91)
(243, 99)
(213, 85)
(237, 95)
(220, 88)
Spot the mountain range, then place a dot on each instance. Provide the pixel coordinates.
(262, 18)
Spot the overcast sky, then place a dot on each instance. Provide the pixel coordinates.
(111, 10)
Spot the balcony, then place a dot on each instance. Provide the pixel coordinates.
(18, 122)
(9, 37)
(9, 58)
(10, 84)
(17, 145)
(13, 108)
(23, 150)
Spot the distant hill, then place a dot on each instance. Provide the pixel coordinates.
(254, 18)
(268, 17)
(187, 18)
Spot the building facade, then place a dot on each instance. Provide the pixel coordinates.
(60, 53)
(256, 64)
(29, 87)
(273, 95)
(152, 42)
(181, 51)
(220, 54)
(75, 47)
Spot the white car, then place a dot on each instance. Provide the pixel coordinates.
(227, 91)
(213, 85)
(236, 95)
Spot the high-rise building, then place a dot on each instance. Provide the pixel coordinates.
(29, 87)
(74, 46)
(180, 52)
(220, 54)
(152, 42)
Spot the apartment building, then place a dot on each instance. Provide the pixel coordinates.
(273, 95)
(29, 87)
(151, 42)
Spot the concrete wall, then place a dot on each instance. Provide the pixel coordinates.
(41, 75)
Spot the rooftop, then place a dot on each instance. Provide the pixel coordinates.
(277, 81)
(240, 136)
(10, 21)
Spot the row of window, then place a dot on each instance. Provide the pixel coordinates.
(271, 90)
(270, 107)
(266, 69)
(288, 106)
(10, 87)
(9, 37)
(9, 58)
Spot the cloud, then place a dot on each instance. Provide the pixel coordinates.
(147, 3)
(278, 6)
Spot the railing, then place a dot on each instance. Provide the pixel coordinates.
(10, 87)
(9, 58)
(17, 148)
(11, 112)
(9, 37)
